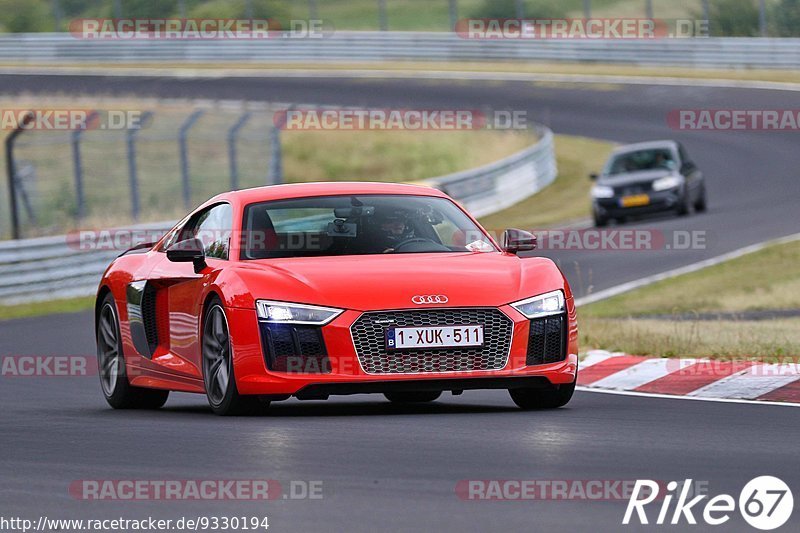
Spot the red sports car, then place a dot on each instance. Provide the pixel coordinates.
(313, 290)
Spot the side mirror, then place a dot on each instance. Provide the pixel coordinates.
(593, 176)
(516, 240)
(188, 251)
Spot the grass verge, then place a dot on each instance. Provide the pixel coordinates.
(567, 199)
(765, 280)
(68, 305)
(561, 68)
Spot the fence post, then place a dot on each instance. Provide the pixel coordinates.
(275, 175)
(453, 10)
(233, 133)
(383, 24)
(11, 172)
(707, 16)
(587, 9)
(762, 18)
(312, 10)
(184, 153)
(648, 9)
(80, 199)
(132, 177)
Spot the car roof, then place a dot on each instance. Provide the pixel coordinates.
(301, 190)
(645, 146)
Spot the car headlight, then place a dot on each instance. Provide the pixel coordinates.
(288, 313)
(669, 182)
(551, 303)
(602, 191)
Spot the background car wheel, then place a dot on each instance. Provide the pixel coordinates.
(701, 204)
(683, 206)
(543, 398)
(117, 390)
(600, 222)
(218, 374)
(413, 397)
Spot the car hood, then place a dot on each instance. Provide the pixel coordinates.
(629, 178)
(390, 281)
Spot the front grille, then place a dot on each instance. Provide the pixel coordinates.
(368, 334)
(547, 342)
(290, 348)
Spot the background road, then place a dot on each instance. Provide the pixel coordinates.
(389, 467)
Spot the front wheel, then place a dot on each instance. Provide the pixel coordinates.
(413, 397)
(701, 205)
(529, 399)
(117, 390)
(218, 376)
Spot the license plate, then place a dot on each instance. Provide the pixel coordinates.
(635, 200)
(434, 337)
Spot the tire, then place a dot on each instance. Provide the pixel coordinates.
(529, 399)
(600, 222)
(684, 205)
(413, 397)
(218, 369)
(701, 205)
(117, 390)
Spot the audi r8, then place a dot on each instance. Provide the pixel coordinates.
(313, 290)
(645, 178)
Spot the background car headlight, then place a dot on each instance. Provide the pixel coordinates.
(669, 182)
(602, 191)
(288, 313)
(551, 303)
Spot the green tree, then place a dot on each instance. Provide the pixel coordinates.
(19, 16)
(785, 17)
(508, 9)
(733, 18)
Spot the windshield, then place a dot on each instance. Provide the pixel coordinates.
(653, 159)
(358, 225)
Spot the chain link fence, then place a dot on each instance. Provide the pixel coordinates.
(176, 159)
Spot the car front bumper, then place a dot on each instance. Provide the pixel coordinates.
(658, 202)
(344, 371)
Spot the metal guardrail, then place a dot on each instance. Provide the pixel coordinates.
(349, 46)
(49, 268)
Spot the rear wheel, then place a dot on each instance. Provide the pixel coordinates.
(218, 376)
(529, 399)
(684, 205)
(413, 396)
(117, 390)
(701, 204)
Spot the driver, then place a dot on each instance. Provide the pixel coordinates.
(393, 229)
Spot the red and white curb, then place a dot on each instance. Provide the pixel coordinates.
(700, 379)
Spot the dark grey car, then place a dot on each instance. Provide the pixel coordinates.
(645, 178)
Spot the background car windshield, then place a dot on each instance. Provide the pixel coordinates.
(358, 225)
(653, 159)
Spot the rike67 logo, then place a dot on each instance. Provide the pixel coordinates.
(765, 503)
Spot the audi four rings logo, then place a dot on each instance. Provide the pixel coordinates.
(430, 299)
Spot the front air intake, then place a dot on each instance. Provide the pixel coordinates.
(294, 348)
(547, 342)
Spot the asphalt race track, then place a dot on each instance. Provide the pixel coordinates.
(389, 467)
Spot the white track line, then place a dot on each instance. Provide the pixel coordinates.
(694, 267)
(642, 373)
(751, 383)
(692, 398)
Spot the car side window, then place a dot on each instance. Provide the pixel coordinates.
(213, 228)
